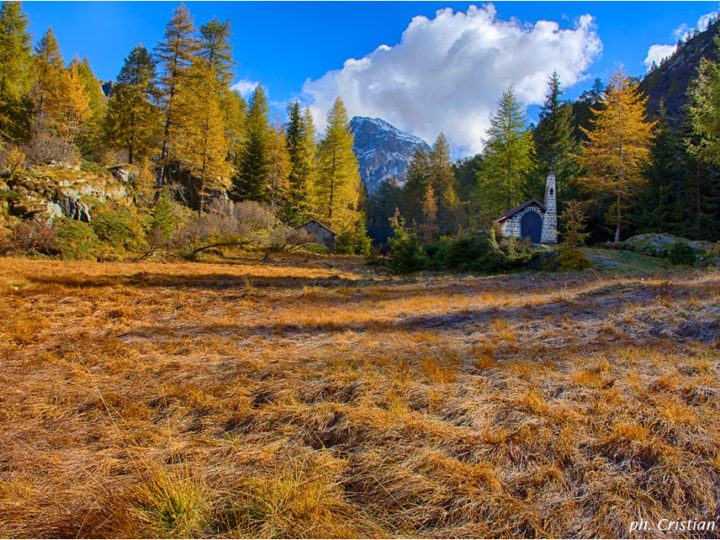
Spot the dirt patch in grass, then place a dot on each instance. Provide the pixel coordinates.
(318, 398)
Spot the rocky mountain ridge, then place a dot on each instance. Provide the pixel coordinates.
(668, 83)
(383, 151)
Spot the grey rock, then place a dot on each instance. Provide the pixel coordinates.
(382, 150)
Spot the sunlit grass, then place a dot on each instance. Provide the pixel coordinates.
(317, 397)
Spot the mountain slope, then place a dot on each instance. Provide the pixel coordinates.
(382, 150)
(669, 82)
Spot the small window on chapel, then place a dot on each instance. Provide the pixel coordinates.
(551, 191)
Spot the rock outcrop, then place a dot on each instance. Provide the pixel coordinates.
(58, 189)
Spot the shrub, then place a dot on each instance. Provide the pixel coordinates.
(518, 253)
(682, 253)
(121, 230)
(572, 259)
(406, 256)
(76, 240)
(35, 236)
(361, 241)
(344, 243)
(163, 220)
(227, 222)
(479, 252)
(545, 260)
(89, 166)
(436, 251)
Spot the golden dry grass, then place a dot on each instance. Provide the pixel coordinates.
(313, 398)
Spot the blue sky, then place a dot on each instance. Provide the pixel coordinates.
(300, 48)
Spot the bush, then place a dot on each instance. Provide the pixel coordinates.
(406, 256)
(227, 222)
(436, 251)
(344, 243)
(121, 230)
(572, 259)
(518, 253)
(361, 241)
(89, 166)
(35, 236)
(164, 220)
(479, 252)
(543, 260)
(76, 240)
(682, 253)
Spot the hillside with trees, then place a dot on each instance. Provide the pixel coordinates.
(173, 143)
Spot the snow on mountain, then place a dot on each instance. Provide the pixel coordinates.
(382, 150)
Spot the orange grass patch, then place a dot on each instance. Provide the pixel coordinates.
(316, 397)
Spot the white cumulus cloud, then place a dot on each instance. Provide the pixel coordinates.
(244, 87)
(657, 53)
(447, 73)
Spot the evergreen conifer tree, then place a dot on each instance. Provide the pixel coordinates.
(555, 145)
(15, 72)
(251, 176)
(301, 146)
(704, 111)
(660, 206)
(442, 179)
(508, 154)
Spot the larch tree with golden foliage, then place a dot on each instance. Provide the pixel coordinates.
(175, 56)
(618, 145)
(336, 189)
(202, 146)
(278, 167)
(69, 107)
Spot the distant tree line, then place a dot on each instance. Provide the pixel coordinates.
(173, 115)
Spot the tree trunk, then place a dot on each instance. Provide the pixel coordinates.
(332, 185)
(617, 228)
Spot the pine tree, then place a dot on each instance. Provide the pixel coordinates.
(15, 52)
(660, 206)
(442, 179)
(618, 147)
(704, 111)
(417, 178)
(15, 71)
(301, 146)
(508, 154)
(132, 121)
(175, 55)
(251, 177)
(555, 144)
(336, 189)
(382, 205)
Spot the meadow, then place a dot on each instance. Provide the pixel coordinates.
(314, 396)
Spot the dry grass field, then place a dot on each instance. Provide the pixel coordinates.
(318, 398)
